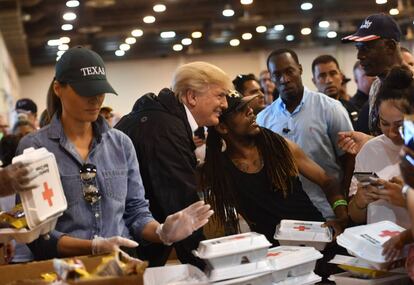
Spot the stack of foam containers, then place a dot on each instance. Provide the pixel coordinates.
(293, 265)
(245, 259)
(236, 259)
(42, 205)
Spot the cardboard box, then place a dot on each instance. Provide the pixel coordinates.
(29, 273)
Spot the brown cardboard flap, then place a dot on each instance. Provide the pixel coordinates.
(32, 271)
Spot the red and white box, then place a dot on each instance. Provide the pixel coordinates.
(303, 233)
(292, 261)
(366, 242)
(42, 205)
(233, 250)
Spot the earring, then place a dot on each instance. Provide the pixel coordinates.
(223, 145)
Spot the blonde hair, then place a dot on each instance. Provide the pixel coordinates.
(198, 76)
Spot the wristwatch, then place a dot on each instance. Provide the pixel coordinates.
(405, 190)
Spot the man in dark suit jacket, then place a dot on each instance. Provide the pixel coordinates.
(161, 128)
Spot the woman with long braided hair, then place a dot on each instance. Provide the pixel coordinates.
(253, 172)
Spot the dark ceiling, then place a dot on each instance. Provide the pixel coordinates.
(104, 24)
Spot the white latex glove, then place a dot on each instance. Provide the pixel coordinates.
(103, 245)
(180, 225)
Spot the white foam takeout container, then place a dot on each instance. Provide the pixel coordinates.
(257, 279)
(42, 205)
(292, 261)
(233, 250)
(303, 233)
(183, 274)
(366, 242)
(237, 271)
(346, 278)
(307, 279)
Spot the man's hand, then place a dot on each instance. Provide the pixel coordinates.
(180, 225)
(7, 252)
(409, 263)
(16, 178)
(338, 225)
(352, 141)
(198, 141)
(393, 247)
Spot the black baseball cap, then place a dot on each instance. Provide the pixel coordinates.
(236, 102)
(84, 70)
(26, 105)
(377, 26)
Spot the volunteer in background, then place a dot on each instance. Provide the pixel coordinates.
(98, 169)
(402, 85)
(381, 156)
(310, 119)
(247, 85)
(398, 88)
(26, 109)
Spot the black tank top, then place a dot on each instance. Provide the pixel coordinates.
(263, 208)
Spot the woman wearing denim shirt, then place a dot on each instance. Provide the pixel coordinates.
(99, 170)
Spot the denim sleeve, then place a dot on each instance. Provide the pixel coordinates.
(137, 213)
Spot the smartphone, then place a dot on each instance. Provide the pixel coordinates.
(366, 178)
(408, 135)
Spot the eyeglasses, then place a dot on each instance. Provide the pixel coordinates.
(90, 190)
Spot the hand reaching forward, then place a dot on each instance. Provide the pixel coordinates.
(180, 225)
(352, 141)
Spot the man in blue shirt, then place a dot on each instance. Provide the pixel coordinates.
(310, 119)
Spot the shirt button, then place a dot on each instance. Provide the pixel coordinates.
(96, 215)
(95, 236)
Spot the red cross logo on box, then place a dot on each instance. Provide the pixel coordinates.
(270, 254)
(301, 228)
(237, 238)
(47, 194)
(388, 233)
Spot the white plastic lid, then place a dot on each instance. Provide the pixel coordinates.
(283, 257)
(228, 245)
(366, 241)
(48, 199)
(303, 231)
